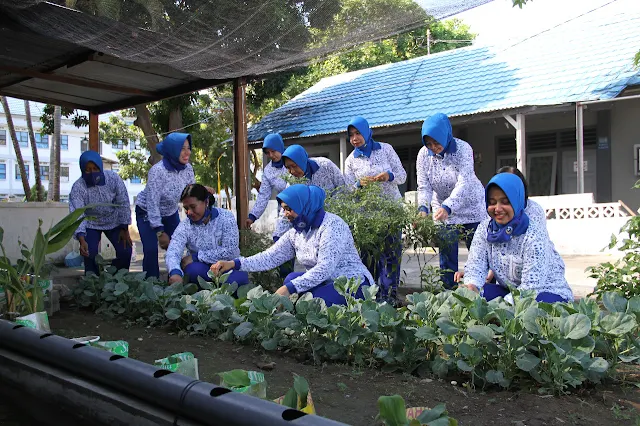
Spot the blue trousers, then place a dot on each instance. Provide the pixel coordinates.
(150, 240)
(450, 235)
(200, 269)
(327, 291)
(123, 254)
(386, 269)
(492, 291)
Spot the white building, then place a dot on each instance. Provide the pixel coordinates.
(74, 143)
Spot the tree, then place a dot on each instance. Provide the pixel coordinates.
(39, 189)
(54, 153)
(270, 93)
(16, 148)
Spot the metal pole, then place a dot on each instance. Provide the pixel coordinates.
(521, 145)
(580, 147)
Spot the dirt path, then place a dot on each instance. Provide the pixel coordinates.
(350, 395)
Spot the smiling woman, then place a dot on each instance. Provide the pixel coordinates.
(518, 250)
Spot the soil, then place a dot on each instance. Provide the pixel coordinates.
(349, 395)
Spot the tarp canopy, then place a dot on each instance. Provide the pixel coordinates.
(103, 55)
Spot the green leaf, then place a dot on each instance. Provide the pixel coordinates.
(270, 344)
(120, 288)
(62, 238)
(204, 284)
(372, 318)
(236, 379)
(481, 333)
(575, 326)
(447, 326)
(439, 367)
(67, 221)
(598, 365)
(291, 399)
(529, 319)
(428, 417)
(614, 302)
(494, 376)
(392, 410)
(1, 234)
(527, 361)
(173, 314)
(301, 386)
(285, 320)
(618, 324)
(243, 329)
(462, 365)
(426, 333)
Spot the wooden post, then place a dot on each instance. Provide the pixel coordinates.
(241, 151)
(94, 138)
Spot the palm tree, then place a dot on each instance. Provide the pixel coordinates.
(55, 162)
(34, 152)
(16, 148)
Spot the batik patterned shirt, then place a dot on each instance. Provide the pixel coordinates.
(381, 160)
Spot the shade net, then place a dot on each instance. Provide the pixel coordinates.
(224, 39)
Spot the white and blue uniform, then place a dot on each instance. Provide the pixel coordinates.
(319, 171)
(157, 205)
(519, 253)
(448, 180)
(272, 182)
(321, 242)
(370, 160)
(208, 243)
(103, 187)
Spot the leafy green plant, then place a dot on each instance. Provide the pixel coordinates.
(21, 281)
(393, 412)
(253, 243)
(622, 275)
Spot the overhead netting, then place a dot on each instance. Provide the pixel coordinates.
(222, 39)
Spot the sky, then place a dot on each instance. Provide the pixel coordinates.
(499, 21)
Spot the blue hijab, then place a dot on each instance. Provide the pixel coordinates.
(438, 127)
(308, 203)
(96, 178)
(513, 188)
(362, 126)
(274, 141)
(170, 149)
(299, 155)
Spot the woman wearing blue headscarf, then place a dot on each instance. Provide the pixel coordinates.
(373, 161)
(448, 187)
(99, 186)
(515, 248)
(157, 205)
(272, 181)
(319, 171)
(320, 241)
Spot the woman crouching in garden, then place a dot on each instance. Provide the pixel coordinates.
(208, 233)
(320, 241)
(516, 249)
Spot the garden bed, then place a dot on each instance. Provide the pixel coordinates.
(349, 395)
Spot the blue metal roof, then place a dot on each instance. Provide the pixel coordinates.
(587, 58)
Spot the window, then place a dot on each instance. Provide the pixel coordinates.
(3, 137)
(135, 179)
(23, 139)
(18, 176)
(64, 173)
(3, 171)
(119, 145)
(132, 145)
(44, 172)
(64, 142)
(42, 141)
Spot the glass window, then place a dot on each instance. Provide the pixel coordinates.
(44, 172)
(64, 173)
(18, 175)
(135, 179)
(3, 171)
(64, 142)
(42, 141)
(23, 139)
(3, 137)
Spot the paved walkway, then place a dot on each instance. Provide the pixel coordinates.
(575, 265)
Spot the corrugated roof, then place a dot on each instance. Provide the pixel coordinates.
(587, 58)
